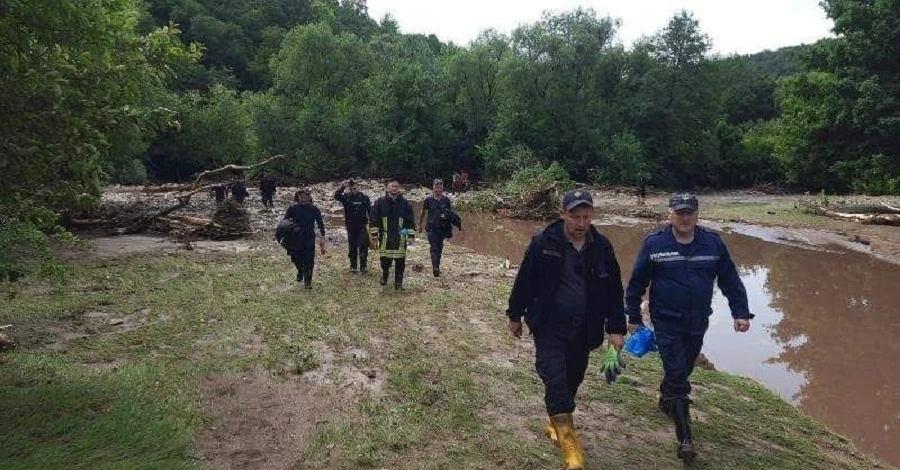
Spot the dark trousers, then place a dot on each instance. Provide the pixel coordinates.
(678, 352)
(358, 241)
(561, 359)
(399, 267)
(436, 242)
(304, 259)
(267, 198)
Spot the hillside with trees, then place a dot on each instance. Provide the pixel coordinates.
(118, 91)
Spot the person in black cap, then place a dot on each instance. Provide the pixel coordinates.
(569, 290)
(356, 216)
(441, 220)
(301, 245)
(682, 261)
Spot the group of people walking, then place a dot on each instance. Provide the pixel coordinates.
(387, 226)
(570, 292)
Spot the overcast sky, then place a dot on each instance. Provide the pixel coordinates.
(735, 26)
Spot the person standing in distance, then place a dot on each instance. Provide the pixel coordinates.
(302, 243)
(680, 263)
(439, 226)
(356, 216)
(569, 290)
(392, 225)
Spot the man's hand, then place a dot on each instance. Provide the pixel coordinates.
(515, 327)
(618, 341)
(633, 328)
(741, 325)
(322, 247)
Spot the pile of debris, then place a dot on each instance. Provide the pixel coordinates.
(872, 214)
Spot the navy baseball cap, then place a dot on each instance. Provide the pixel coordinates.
(579, 197)
(684, 201)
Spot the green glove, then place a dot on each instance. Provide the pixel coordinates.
(612, 364)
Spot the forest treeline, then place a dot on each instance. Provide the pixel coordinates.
(124, 91)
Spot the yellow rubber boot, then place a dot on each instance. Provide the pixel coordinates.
(551, 433)
(573, 455)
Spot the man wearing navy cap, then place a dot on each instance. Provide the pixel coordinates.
(680, 263)
(569, 290)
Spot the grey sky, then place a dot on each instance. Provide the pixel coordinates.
(734, 26)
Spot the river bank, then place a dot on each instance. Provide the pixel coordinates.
(214, 358)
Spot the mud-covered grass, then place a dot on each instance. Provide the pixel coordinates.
(218, 360)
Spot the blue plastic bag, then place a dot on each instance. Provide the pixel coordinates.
(641, 342)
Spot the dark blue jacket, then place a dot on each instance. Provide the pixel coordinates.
(356, 207)
(682, 278)
(306, 217)
(535, 288)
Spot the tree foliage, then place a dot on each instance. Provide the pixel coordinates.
(840, 122)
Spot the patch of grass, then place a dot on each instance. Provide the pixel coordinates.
(457, 392)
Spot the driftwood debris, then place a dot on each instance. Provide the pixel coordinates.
(234, 168)
(875, 217)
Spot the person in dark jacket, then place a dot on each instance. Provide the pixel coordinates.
(392, 225)
(680, 263)
(356, 216)
(569, 290)
(239, 192)
(219, 191)
(267, 188)
(301, 245)
(440, 221)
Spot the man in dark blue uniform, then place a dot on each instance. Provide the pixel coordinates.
(239, 192)
(392, 225)
(356, 216)
(681, 262)
(301, 244)
(267, 187)
(441, 218)
(569, 289)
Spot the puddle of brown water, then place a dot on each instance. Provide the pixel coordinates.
(824, 336)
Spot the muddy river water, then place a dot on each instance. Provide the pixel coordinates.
(827, 331)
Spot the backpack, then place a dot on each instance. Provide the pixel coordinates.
(285, 232)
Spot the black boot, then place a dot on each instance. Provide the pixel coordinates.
(665, 405)
(682, 417)
(384, 278)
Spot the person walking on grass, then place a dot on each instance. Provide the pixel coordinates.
(569, 291)
(392, 226)
(440, 221)
(301, 244)
(680, 263)
(356, 217)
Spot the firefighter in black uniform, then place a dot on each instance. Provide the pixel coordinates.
(267, 187)
(302, 243)
(569, 290)
(356, 217)
(441, 220)
(391, 225)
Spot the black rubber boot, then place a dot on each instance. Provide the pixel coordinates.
(682, 416)
(384, 277)
(665, 406)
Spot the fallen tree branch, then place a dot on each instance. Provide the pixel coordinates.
(892, 208)
(234, 168)
(869, 219)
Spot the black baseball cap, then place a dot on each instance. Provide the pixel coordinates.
(579, 197)
(683, 201)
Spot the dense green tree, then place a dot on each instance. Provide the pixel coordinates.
(840, 123)
(78, 81)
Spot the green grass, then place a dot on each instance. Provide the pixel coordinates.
(457, 392)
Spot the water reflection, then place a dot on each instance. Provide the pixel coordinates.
(825, 335)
